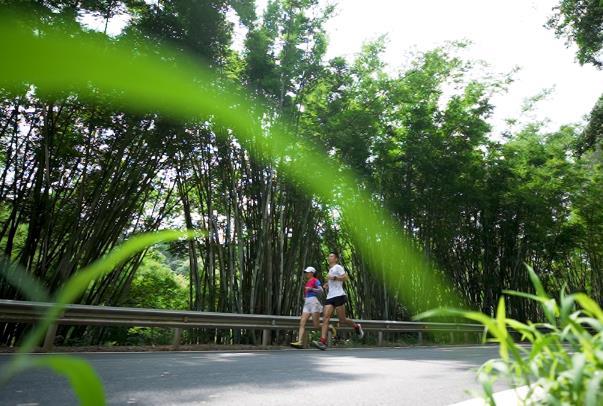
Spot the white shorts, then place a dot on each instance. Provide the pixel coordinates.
(312, 305)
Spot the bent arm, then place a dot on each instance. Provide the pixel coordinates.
(343, 277)
(317, 288)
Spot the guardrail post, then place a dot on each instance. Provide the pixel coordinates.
(451, 337)
(466, 336)
(265, 337)
(177, 336)
(420, 338)
(49, 338)
(380, 339)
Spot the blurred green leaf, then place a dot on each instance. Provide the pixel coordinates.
(590, 306)
(19, 278)
(594, 394)
(502, 328)
(85, 382)
(82, 279)
(537, 284)
(82, 377)
(563, 364)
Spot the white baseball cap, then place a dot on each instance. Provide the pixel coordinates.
(310, 269)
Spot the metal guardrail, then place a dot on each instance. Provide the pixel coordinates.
(31, 312)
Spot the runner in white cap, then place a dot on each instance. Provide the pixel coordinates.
(312, 306)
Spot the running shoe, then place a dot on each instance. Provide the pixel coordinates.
(319, 344)
(359, 330)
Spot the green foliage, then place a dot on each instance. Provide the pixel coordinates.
(592, 136)
(581, 21)
(20, 235)
(156, 286)
(563, 363)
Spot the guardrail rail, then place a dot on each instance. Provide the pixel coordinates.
(74, 314)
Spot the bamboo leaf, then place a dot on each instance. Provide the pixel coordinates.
(590, 306)
(475, 316)
(594, 395)
(78, 283)
(82, 378)
(15, 275)
(524, 295)
(540, 292)
(502, 328)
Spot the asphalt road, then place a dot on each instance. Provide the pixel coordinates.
(392, 376)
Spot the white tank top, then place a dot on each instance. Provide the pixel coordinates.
(335, 287)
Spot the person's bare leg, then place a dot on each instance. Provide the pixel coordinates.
(302, 326)
(342, 318)
(316, 320)
(326, 317)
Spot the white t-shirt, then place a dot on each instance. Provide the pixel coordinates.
(335, 287)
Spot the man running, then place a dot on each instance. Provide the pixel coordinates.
(336, 299)
(312, 306)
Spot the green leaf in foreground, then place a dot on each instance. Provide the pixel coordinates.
(590, 306)
(85, 382)
(564, 363)
(82, 279)
(79, 373)
(27, 285)
(82, 377)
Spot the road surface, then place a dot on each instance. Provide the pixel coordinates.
(377, 376)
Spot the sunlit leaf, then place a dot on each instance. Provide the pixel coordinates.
(590, 306)
(594, 392)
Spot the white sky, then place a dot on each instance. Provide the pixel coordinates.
(504, 34)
